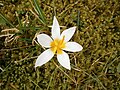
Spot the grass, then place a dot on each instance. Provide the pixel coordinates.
(96, 67)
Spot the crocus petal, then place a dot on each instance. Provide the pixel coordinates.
(44, 40)
(73, 47)
(44, 58)
(55, 29)
(64, 60)
(68, 33)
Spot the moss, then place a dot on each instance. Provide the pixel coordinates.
(96, 67)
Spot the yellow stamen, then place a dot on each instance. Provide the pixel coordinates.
(62, 41)
(57, 45)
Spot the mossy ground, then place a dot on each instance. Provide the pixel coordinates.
(96, 67)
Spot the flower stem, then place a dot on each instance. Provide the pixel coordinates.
(65, 73)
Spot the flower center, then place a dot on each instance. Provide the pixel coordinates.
(57, 45)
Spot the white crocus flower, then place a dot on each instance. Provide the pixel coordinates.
(57, 44)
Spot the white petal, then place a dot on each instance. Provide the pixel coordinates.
(44, 58)
(73, 47)
(68, 33)
(44, 40)
(55, 29)
(64, 60)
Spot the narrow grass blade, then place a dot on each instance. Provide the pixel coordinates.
(20, 23)
(34, 83)
(78, 20)
(7, 21)
(39, 11)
